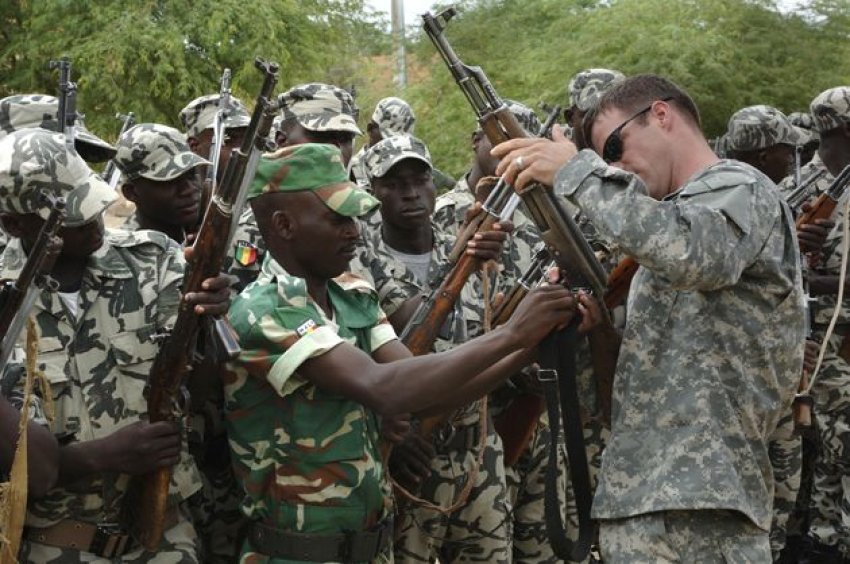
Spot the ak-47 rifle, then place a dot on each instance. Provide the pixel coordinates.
(218, 127)
(824, 205)
(67, 115)
(172, 363)
(111, 174)
(18, 296)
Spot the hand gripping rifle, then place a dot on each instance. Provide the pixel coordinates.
(111, 174)
(67, 114)
(577, 261)
(18, 296)
(173, 361)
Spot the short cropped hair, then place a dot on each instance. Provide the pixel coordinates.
(636, 93)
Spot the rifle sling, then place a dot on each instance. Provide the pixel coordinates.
(558, 377)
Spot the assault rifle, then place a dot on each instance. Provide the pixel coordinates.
(67, 114)
(218, 128)
(824, 205)
(111, 174)
(173, 361)
(18, 296)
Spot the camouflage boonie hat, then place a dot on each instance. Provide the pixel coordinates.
(156, 152)
(587, 86)
(34, 159)
(39, 110)
(831, 109)
(320, 107)
(760, 127)
(200, 113)
(394, 117)
(312, 167)
(382, 156)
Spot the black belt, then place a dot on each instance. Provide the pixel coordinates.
(354, 546)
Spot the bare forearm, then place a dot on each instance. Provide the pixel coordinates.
(78, 460)
(42, 450)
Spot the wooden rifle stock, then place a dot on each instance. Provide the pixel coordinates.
(619, 282)
(174, 359)
(824, 205)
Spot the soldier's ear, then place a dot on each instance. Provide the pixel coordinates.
(284, 224)
(129, 191)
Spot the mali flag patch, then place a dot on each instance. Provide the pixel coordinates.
(245, 253)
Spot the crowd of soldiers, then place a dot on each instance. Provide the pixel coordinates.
(281, 454)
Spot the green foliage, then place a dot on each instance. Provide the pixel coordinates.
(152, 57)
(726, 53)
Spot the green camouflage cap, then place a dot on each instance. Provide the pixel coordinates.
(320, 107)
(155, 152)
(34, 159)
(382, 156)
(39, 110)
(394, 117)
(587, 86)
(831, 109)
(313, 167)
(199, 114)
(759, 127)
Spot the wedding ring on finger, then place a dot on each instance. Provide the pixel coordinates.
(519, 164)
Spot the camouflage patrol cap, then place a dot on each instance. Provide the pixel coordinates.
(831, 109)
(585, 87)
(320, 107)
(34, 159)
(39, 110)
(760, 127)
(394, 116)
(200, 113)
(156, 152)
(385, 154)
(311, 167)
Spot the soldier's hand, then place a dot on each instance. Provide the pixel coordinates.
(214, 299)
(487, 245)
(591, 313)
(545, 308)
(812, 236)
(410, 461)
(142, 447)
(395, 428)
(531, 159)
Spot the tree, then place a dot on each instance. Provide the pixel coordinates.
(155, 56)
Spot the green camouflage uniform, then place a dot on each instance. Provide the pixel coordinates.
(751, 129)
(720, 281)
(98, 362)
(480, 530)
(308, 459)
(215, 511)
(830, 503)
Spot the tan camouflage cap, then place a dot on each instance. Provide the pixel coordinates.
(156, 152)
(587, 86)
(394, 116)
(311, 167)
(199, 114)
(831, 109)
(320, 107)
(32, 160)
(40, 110)
(382, 156)
(759, 127)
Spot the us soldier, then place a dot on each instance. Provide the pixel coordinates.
(215, 509)
(583, 92)
(161, 176)
(719, 279)
(321, 494)
(415, 251)
(392, 116)
(830, 501)
(117, 292)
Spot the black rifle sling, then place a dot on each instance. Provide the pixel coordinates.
(558, 377)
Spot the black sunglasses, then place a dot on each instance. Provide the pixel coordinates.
(612, 150)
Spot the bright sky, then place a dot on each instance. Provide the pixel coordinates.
(412, 9)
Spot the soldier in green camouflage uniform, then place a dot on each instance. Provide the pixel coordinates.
(161, 176)
(713, 345)
(303, 402)
(215, 509)
(763, 137)
(830, 504)
(399, 170)
(117, 292)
